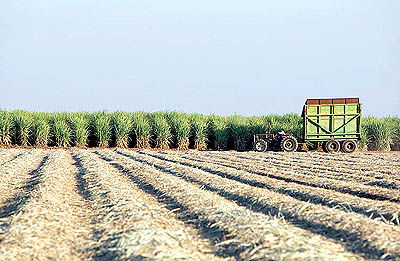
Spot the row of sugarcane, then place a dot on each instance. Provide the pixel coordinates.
(164, 130)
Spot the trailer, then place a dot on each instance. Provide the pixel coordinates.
(333, 124)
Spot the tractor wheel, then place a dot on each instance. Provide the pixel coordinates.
(289, 144)
(349, 146)
(260, 146)
(332, 146)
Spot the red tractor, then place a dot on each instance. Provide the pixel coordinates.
(280, 141)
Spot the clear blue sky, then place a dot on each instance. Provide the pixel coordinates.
(223, 57)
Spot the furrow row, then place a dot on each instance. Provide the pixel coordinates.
(332, 170)
(359, 234)
(7, 155)
(16, 177)
(383, 159)
(135, 224)
(249, 235)
(308, 168)
(358, 159)
(384, 211)
(285, 174)
(341, 161)
(329, 171)
(55, 223)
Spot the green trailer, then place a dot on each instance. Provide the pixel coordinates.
(334, 124)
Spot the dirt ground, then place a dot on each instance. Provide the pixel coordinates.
(104, 204)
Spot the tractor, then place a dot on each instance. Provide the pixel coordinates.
(333, 124)
(280, 141)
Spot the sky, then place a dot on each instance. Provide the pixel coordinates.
(220, 56)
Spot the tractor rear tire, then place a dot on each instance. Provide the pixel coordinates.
(349, 146)
(289, 144)
(332, 146)
(260, 146)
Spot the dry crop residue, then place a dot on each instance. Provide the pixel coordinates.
(54, 222)
(199, 205)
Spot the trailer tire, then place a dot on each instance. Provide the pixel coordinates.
(349, 146)
(289, 144)
(260, 146)
(332, 146)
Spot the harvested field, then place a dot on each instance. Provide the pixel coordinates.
(74, 204)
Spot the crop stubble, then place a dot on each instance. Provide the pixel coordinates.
(360, 234)
(337, 166)
(8, 155)
(286, 173)
(382, 210)
(17, 175)
(119, 204)
(136, 225)
(53, 223)
(246, 234)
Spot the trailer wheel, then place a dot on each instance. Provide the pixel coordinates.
(260, 146)
(349, 146)
(289, 144)
(332, 146)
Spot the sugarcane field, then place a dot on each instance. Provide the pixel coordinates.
(176, 186)
(170, 186)
(199, 130)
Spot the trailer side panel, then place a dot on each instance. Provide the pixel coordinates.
(326, 119)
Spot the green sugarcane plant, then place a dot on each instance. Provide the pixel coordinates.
(218, 134)
(61, 130)
(378, 133)
(41, 129)
(79, 123)
(23, 123)
(199, 131)
(121, 128)
(239, 129)
(141, 129)
(161, 134)
(101, 125)
(394, 125)
(180, 129)
(6, 128)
